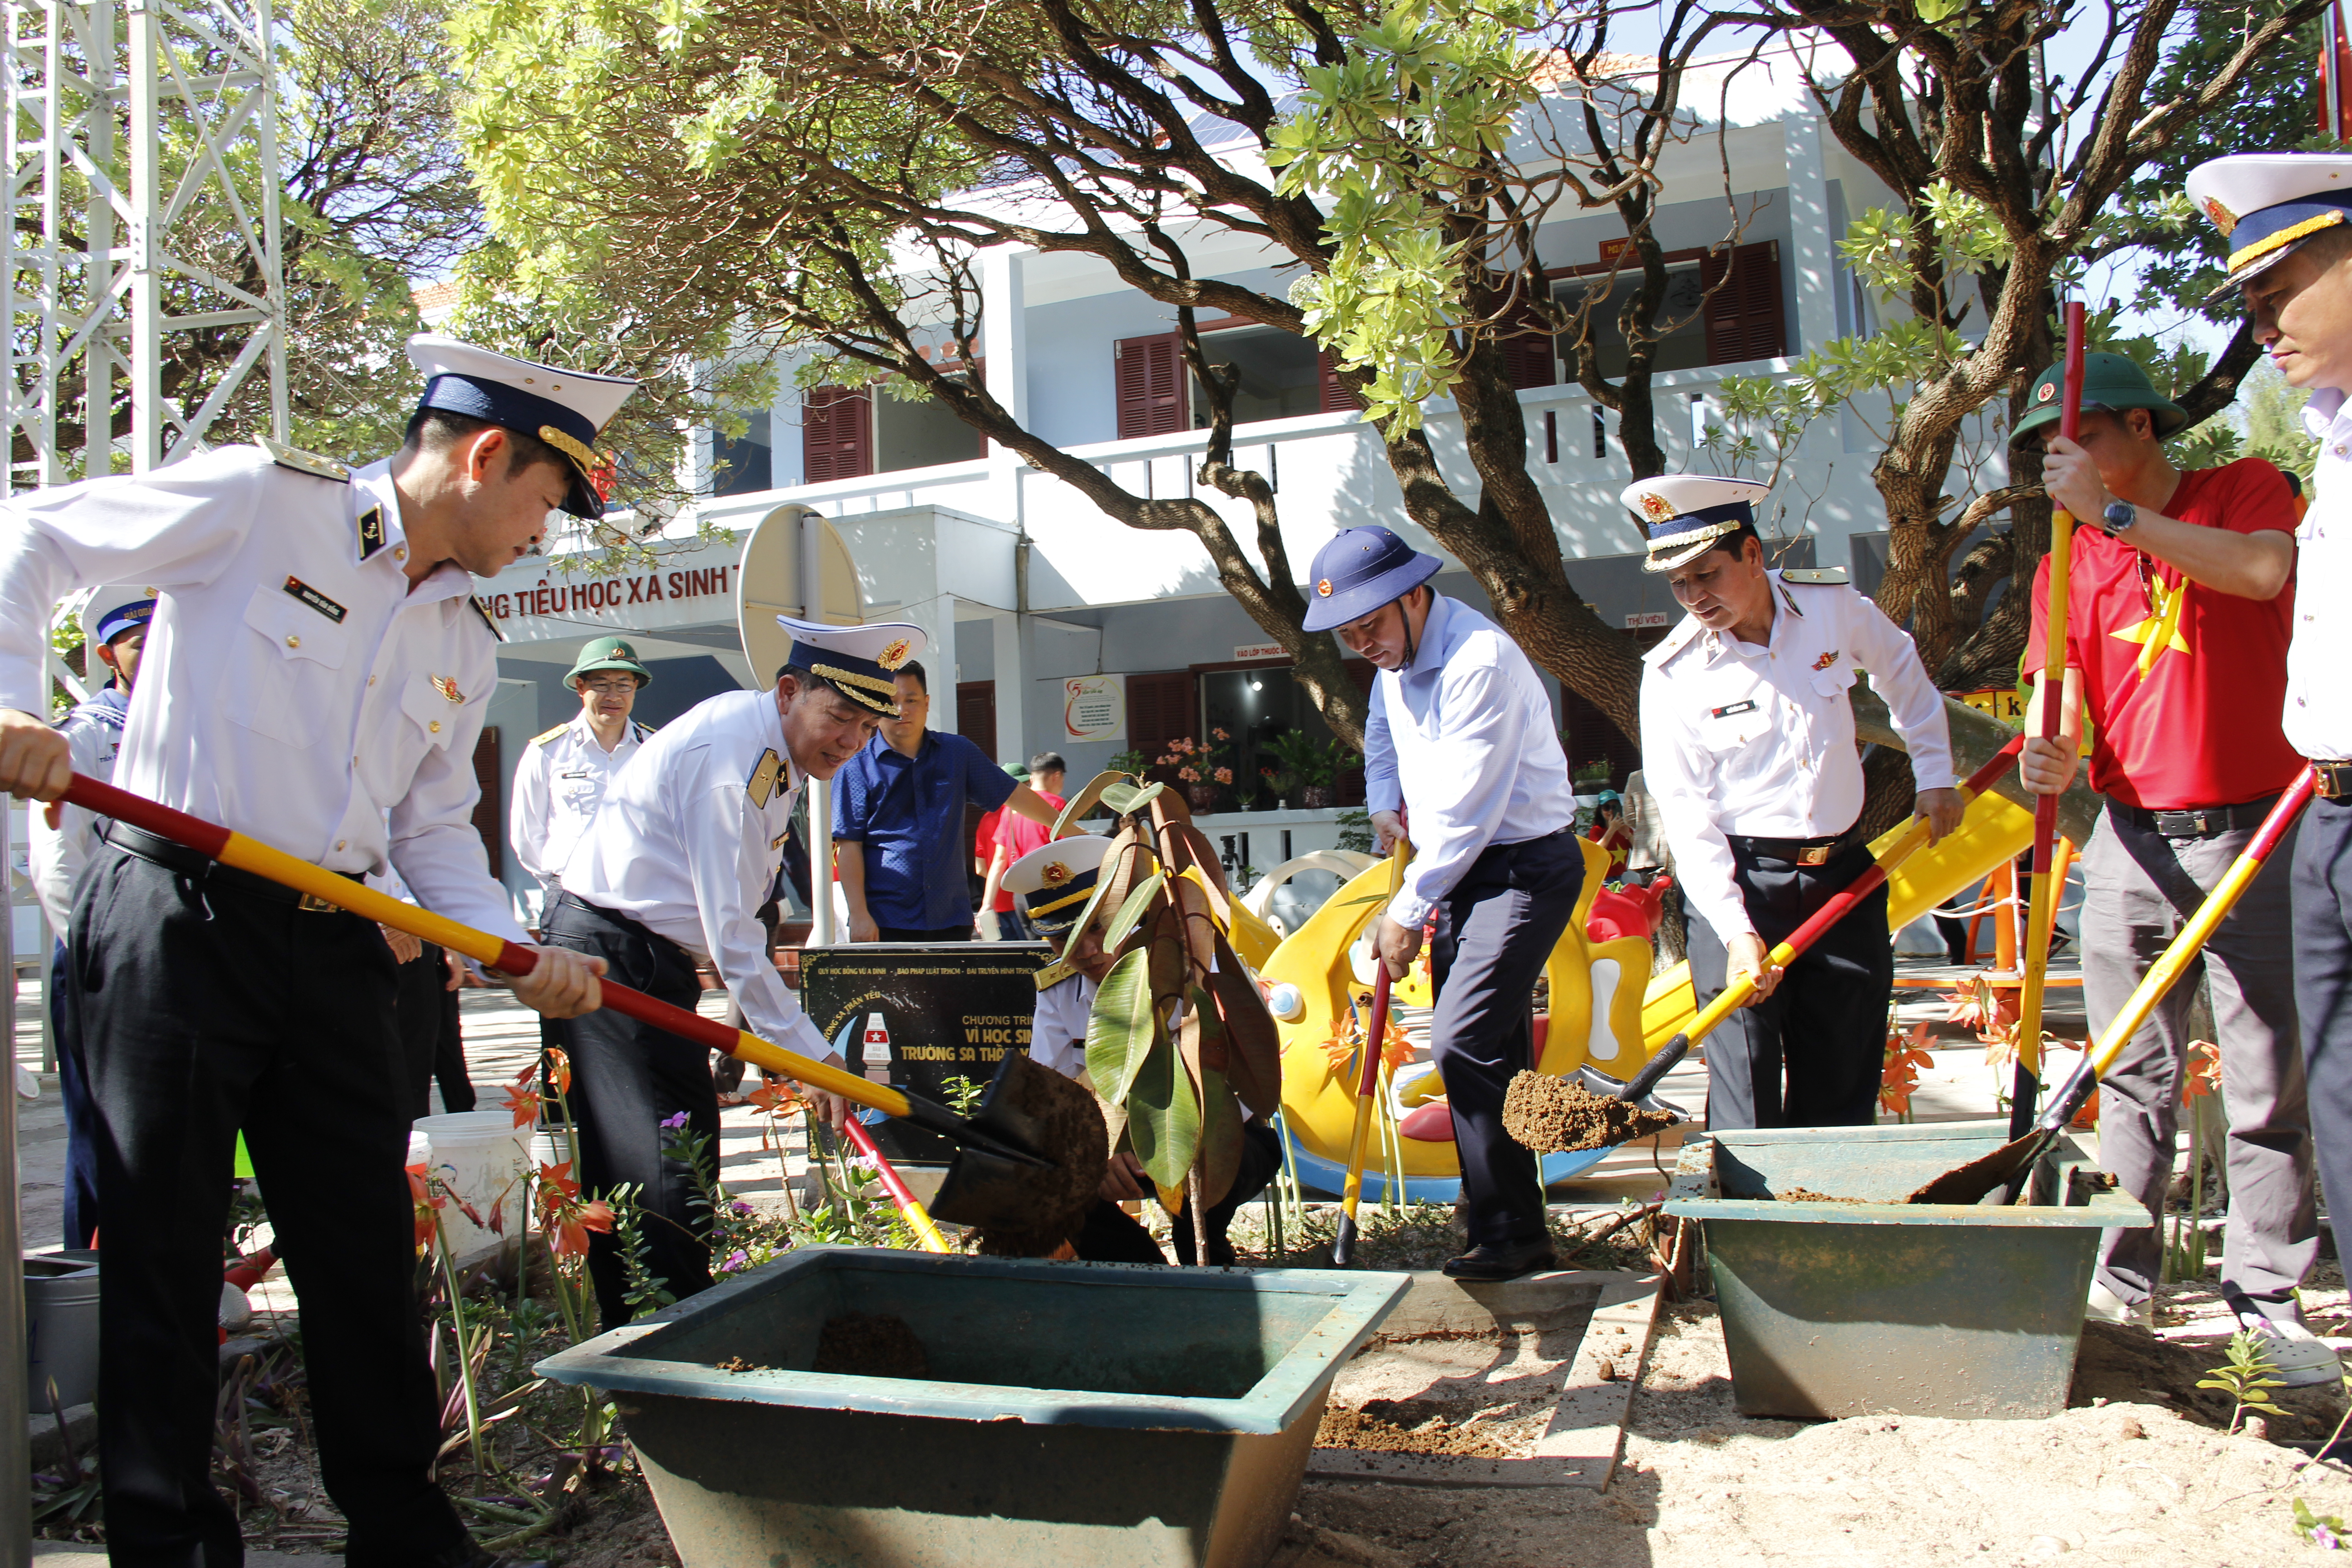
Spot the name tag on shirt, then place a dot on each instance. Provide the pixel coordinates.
(1746, 707)
(315, 600)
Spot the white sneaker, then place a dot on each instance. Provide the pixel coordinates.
(28, 1085)
(2109, 1308)
(2304, 1360)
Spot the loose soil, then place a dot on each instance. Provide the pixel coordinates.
(871, 1344)
(1405, 1426)
(1552, 1115)
(1806, 1196)
(1073, 1134)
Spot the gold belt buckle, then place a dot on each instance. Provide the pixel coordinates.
(1814, 854)
(314, 904)
(2330, 780)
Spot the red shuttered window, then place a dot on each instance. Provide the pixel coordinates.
(1743, 316)
(836, 434)
(1153, 391)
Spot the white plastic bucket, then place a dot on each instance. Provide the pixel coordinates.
(61, 1330)
(478, 1155)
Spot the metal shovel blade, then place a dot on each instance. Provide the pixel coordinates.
(1034, 1110)
(1980, 1178)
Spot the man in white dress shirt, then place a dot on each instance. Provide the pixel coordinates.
(674, 867)
(564, 771)
(1459, 755)
(2287, 218)
(114, 635)
(1747, 746)
(315, 676)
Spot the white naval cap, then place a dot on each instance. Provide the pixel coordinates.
(1055, 881)
(860, 661)
(567, 409)
(2266, 204)
(115, 609)
(1685, 514)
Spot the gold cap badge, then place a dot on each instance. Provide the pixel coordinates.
(2223, 218)
(447, 688)
(1054, 874)
(893, 655)
(1323, 589)
(1655, 507)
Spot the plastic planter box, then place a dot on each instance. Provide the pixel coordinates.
(1833, 1310)
(1094, 1415)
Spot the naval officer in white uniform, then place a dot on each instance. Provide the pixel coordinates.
(563, 772)
(315, 676)
(1747, 746)
(674, 867)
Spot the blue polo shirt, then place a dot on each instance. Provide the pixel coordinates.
(908, 812)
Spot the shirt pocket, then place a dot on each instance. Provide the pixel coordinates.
(432, 717)
(281, 681)
(1834, 681)
(1732, 721)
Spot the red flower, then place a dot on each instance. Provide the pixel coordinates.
(524, 1103)
(428, 1210)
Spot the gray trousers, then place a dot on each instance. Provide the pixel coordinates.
(2141, 888)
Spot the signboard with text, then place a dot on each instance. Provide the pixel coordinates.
(536, 600)
(1249, 652)
(1093, 708)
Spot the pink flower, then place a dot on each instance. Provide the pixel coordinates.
(1224, 775)
(1190, 775)
(1221, 735)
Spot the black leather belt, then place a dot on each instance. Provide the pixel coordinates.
(2196, 821)
(187, 862)
(2332, 781)
(1794, 851)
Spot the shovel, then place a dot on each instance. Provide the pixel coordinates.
(1000, 1178)
(911, 1206)
(2041, 903)
(1840, 904)
(2005, 1166)
(1343, 1245)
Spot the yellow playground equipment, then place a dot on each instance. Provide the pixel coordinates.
(1606, 1012)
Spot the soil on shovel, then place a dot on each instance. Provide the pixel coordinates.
(1553, 1115)
(871, 1344)
(1073, 1135)
(1404, 1426)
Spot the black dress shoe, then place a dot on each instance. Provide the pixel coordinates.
(1488, 1261)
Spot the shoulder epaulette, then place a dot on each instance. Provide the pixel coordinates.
(545, 737)
(1052, 975)
(645, 731)
(302, 462)
(484, 611)
(1684, 633)
(1812, 577)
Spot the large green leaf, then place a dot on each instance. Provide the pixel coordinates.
(1121, 1028)
(1131, 911)
(1221, 1139)
(1126, 799)
(1252, 1044)
(1078, 804)
(1163, 1116)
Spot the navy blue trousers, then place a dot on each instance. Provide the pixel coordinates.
(81, 1117)
(2323, 994)
(1494, 932)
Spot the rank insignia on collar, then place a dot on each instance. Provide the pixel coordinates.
(447, 688)
(371, 527)
(1826, 660)
(761, 787)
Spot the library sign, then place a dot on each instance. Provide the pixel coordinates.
(533, 601)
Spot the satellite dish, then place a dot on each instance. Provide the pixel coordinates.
(769, 586)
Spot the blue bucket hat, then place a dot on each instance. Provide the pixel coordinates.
(1361, 570)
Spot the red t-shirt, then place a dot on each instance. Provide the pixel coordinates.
(2201, 728)
(1018, 834)
(984, 850)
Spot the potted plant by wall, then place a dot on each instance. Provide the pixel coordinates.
(1277, 784)
(1315, 763)
(1201, 768)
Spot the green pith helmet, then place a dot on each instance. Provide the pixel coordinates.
(2110, 382)
(608, 653)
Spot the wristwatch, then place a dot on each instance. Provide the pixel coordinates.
(2119, 515)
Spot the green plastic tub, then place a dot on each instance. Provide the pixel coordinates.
(1884, 1307)
(1094, 1415)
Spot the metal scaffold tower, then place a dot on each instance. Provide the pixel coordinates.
(142, 281)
